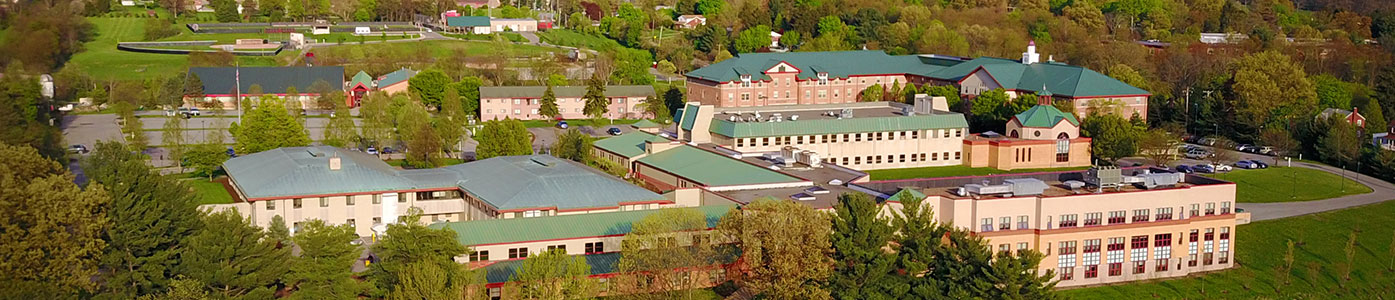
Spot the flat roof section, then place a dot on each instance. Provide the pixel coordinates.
(823, 193)
(630, 144)
(712, 169)
(1055, 183)
(828, 119)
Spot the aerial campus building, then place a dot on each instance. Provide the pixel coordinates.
(524, 102)
(805, 78)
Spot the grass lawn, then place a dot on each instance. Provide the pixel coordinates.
(578, 122)
(101, 60)
(567, 37)
(951, 171)
(422, 53)
(1283, 184)
(208, 192)
(1320, 243)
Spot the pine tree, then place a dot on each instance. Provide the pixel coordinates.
(323, 269)
(150, 215)
(863, 270)
(250, 268)
(549, 104)
(50, 240)
(596, 103)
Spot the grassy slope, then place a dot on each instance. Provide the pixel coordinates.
(1279, 184)
(1321, 240)
(101, 59)
(949, 171)
(566, 37)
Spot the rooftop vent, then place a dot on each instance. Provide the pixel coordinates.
(816, 191)
(334, 163)
(802, 197)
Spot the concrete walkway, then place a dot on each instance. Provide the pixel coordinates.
(1381, 191)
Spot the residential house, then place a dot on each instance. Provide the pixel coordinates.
(395, 82)
(1352, 116)
(522, 102)
(690, 21)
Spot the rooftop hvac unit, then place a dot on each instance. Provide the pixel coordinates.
(907, 111)
(1104, 176)
(733, 118)
(794, 117)
(1026, 186)
(846, 113)
(1010, 187)
(1155, 180)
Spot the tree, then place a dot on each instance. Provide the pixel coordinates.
(1221, 153)
(268, 126)
(1331, 92)
(553, 274)
(1128, 75)
(549, 104)
(1258, 78)
(503, 138)
(172, 136)
(250, 270)
(656, 109)
(150, 214)
(1375, 118)
(573, 145)
(407, 247)
(655, 263)
(277, 231)
(1159, 146)
(341, 130)
(429, 86)
(871, 93)
(469, 89)
(950, 93)
(428, 280)
(989, 109)
(450, 124)
(597, 105)
(205, 158)
(51, 231)
(1112, 137)
(946, 261)
(329, 98)
(862, 269)
(323, 269)
(752, 39)
(378, 120)
(1279, 140)
(1286, 269)
(784, 248)
(226, 10)
(132, 128)
(424, 149)
(1340, 144)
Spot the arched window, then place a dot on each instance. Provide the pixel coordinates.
(1063, 147)
(1013, 133)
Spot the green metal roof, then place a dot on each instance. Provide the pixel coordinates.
(712, 169)
(836, 126)
(536, 91)
(646, 123)
(273, 80)
(838, 64)
(467, 21)
(361, 78)
(1045, 116)
(630, 144)
(296, 171)
(906, 191)
(601, 263)
(689, 115)
(502, 231)
(395, 77)
(1041, 78)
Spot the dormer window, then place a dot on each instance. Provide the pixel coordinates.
(823, 78)
(745, 80)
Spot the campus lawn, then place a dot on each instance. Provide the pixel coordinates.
(951, 171)
(208, 192)
(102, 60)
(578, 122)
(350, 54)
(567, 37)
(1319, 257)
(1284, 184)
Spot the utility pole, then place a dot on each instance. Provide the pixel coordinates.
(237, 87)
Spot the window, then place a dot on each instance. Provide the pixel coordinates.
(349, 200)
(271, 205)
(1162, 250)
(518, 253)
(1062, 147)
(1196, 210)
(1022, 222)
(1091, 258)
(596, 247)
(401, 197)
(1138, 252)
(1117, 217)
(1210, 208)
(1225, 233)
(1066, 260)
(1164, 214)
(324, 202)
(479, 255)
(987, 224)
(517, 111)
(1068, 220)
(1140, 215)
(956, 154)
(377, 220)
(1005, 223)
(296, 203)
(1092, 219)
(1225, 208)
(377, 199)
(517, 101)
(745, 96)
(557, 247)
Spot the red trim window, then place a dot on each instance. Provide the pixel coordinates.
(1093, 219)
(1117, 217)
(1225, 233)
(1116, 269)
(1140, 215)
(1140, 266)
(1092, 271)
(1164, 214)
(1068, 220)
(1140, 241)
(1092, 246)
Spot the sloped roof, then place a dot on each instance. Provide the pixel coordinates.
(646, 123)
(401, 75)
(500, 231)
(630, 144)
(294, 171)
(712, 169)
(536, 91)
(273, 80)
(361, 78)
(1041, 78)
(838, 64)
(600, 264)
(467, 21)
(533, 181)
(688, 116)
(906, 191)
(836, 126)
(1044, 116)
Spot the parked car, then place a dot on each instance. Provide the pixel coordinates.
(389, 150)
(1245, 148)
(1221, 167)
(1259, 164)
(1197, 154)
(562, 124)
(1206, 141)
(169, 113)
(371, 150)
(1203, 168)
(1184, 169)
(1266, 150)
(613, 131)
(1245, 164)
(78, 148)
(231, 153)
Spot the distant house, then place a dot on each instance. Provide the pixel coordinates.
(395, 82)
(358, 87)
(522, 102)
(515, 25)
(1384, 139)
(221, 83)
(468, 24)
(690, 21)
(1352, 116)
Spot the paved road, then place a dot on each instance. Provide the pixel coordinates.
(532, 38)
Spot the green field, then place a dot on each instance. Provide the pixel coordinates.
(425, 52)
(566, 37)
(1281, 184)
(102, 60)
(208, 192)
(951, 171)
(1319, 257)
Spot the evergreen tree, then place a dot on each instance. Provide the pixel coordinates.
(277, 231)
(50, 233)
(237, 260)
(268, 126)
(150, 214)
(573, 145)
(863, 270)
(549, 104)
(553, 274)
(596, 103)
(193, 87)
(503, 138)
(323, 269)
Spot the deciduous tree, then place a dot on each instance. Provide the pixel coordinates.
(1112, 137)
(424, 149)
(1159, 146)
(784, 248)
(503, 138)
(266, 126)
(573, 145)
(403, 252)
(172, 136)
(429, 86)
(553, 274)
(341, 130)
(660, 250)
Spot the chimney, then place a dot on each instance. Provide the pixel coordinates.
(334, 163)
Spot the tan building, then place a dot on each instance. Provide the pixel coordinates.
(350, 187)
(523, 102)
(395, 82)
(1041, 137)
(762, 79)
(1139, 226)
